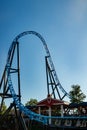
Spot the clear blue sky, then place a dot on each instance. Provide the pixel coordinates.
(63, 24)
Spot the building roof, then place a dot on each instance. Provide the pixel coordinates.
(49, 101)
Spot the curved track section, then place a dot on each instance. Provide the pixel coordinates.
(47, 55)
(21, 107)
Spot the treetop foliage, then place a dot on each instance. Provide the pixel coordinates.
(76, 94)
(31, 102)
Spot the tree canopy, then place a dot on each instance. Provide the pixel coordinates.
(76, 94)
(31, 102)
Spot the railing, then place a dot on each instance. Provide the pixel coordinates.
(68, 121)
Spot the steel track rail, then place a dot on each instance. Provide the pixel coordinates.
(22, 108)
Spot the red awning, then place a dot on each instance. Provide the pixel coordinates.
(51, 102)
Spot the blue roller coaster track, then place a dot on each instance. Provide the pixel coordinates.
(8, 69)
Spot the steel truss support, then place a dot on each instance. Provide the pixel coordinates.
(19, 120)
(5, 93)
(51, 83)
(4, 87)
(7, 88)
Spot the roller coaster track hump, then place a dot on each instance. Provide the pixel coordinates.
(8, 69)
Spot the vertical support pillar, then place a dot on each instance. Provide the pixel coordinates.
(18, 67)
(39, 109)
(61, 110)
(49, 114)
(47, 75)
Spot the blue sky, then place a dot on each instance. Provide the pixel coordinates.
(63, 24)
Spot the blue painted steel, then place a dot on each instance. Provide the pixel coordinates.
(22, 108)
(48, 55)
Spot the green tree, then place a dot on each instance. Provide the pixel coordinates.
(76, 94)
(3, 109)
(31, 102)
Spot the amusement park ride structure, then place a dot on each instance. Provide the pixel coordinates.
(6, 85)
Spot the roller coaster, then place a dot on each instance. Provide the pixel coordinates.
(54, 87)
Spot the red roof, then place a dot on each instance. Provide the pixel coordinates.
(50, 102)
